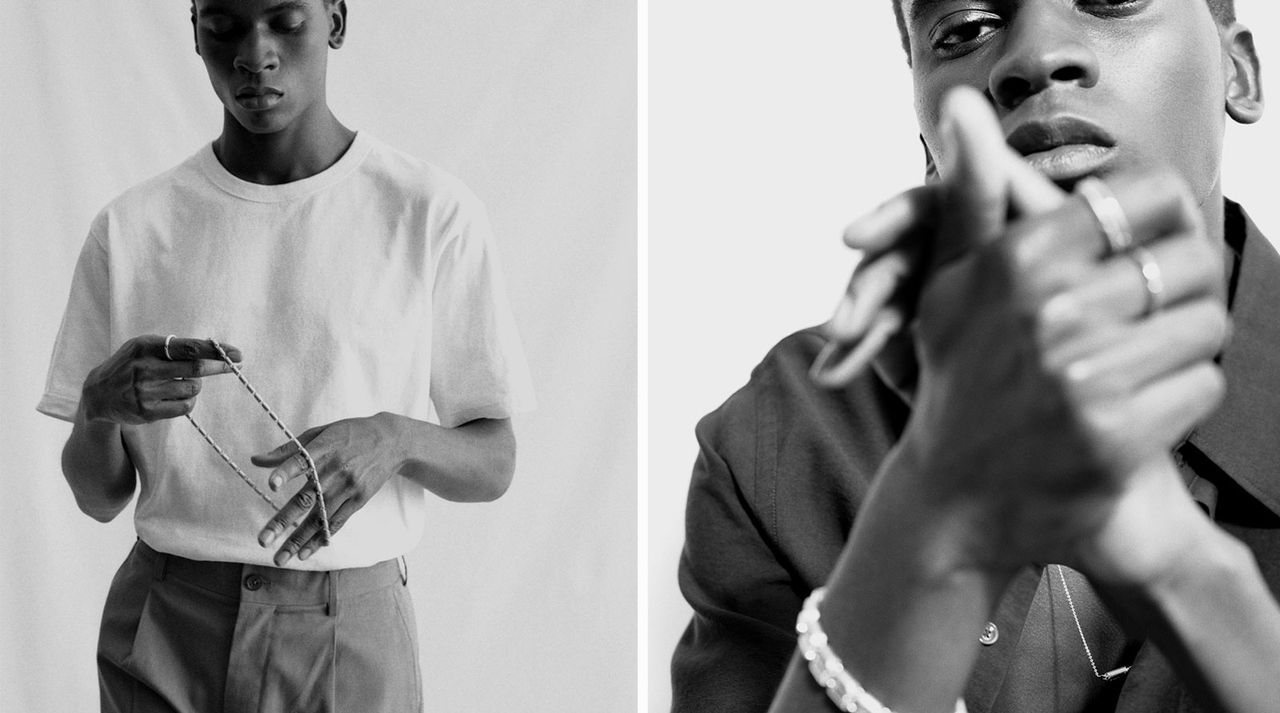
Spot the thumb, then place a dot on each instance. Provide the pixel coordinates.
(275, 456)
(974, 171)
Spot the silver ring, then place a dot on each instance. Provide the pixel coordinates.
(1152, 279)
(1110, 216)
(168, 339)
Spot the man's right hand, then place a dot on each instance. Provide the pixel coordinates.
(140, 383)
(1045, 391)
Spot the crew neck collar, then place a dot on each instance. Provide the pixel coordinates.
(262, 193)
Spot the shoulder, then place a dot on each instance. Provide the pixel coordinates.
(416, 180)
(779, 396)
(153, 196)
(790, 447)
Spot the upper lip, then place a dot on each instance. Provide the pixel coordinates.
(1045, 135)
(256, 91)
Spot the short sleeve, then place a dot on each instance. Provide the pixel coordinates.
(478, 366)
(84, 338)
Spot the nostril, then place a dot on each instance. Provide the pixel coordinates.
(1068, 73)
(1012, 91)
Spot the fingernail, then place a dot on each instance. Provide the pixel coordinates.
(305, 553)
(276, 482)
(268, 536)
(283, 557)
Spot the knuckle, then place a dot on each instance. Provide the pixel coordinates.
(306, 498)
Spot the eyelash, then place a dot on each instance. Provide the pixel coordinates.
(968, 24)
(973, 22)
(281, 28)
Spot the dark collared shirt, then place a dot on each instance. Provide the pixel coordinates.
(784, 466)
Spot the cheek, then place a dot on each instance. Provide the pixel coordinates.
(1181, 115)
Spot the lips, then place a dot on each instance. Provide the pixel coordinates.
(258, 98)
(1064, 148)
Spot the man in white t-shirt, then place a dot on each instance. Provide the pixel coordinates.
(357, 288)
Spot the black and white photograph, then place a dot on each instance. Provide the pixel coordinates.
(327, 310)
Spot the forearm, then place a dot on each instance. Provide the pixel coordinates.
(902, 610)
(98, 468)
(1216, 621)
(473, 462)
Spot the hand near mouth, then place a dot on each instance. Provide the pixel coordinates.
(893, 239)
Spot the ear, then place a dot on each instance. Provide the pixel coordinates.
(1243, 74)
(337, 23)
(930, 168)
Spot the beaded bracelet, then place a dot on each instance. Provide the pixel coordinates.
(827, 668)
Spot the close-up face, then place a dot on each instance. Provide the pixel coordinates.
(267, 59)
(1082, 87)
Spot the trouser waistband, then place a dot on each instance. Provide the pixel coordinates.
(273, 586)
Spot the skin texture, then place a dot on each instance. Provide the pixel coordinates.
(277, 50)
(1152, 74)
(1045, 400)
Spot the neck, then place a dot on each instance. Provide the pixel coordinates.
(292, 154)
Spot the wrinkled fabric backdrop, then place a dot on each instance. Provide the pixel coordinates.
(528, 602)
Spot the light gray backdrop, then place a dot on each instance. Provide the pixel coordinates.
(527, 603)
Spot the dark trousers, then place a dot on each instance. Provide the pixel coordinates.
(181, 636)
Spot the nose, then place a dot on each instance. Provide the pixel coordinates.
(1045, 45)
(256, 53)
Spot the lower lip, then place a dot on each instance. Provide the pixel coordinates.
(1071, 161)
(258, 102)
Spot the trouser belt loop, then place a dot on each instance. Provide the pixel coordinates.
(332, 576)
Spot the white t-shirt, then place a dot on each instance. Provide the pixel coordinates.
(371, 286)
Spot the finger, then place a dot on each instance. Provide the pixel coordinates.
(188, 349)
(1155, 206)
(1030, 193)
(1117, 291)
(187, 369)
(1170, 407)
(870, 290)
(168, 390)
(336, 521)
(303, 534)
(1152, 349)
(841, 361)
(280, 453)
(288, 517)
(976, 185)
(888, 225)
(161, 410)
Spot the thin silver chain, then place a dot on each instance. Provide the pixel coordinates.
(312, 474)
(1109, 675)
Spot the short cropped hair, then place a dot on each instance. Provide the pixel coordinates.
(1224, 11)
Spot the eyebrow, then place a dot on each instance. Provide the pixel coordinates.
(920, 8)
(216, 9)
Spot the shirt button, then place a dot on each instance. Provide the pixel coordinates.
(990, 634)
(253, 582)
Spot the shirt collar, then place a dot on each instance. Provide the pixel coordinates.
(1243, 436)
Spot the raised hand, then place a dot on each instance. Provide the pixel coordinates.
(148, 380)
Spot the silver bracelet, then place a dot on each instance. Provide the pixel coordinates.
(827, 668)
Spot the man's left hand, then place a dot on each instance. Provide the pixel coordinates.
(353, 457)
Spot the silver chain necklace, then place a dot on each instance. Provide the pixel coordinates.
(1109, 675)
(312, 474)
